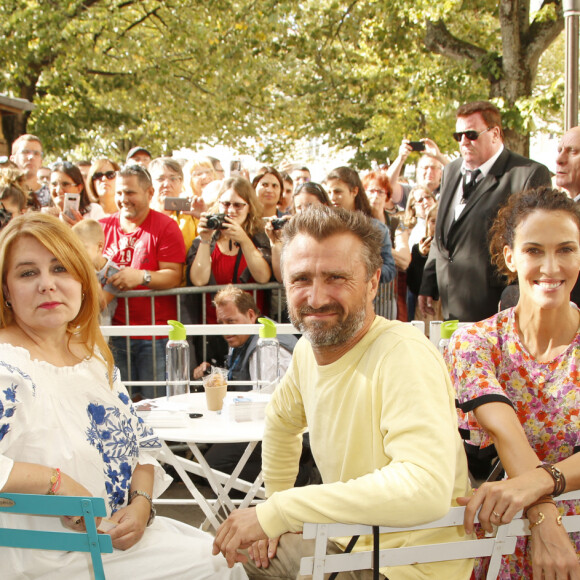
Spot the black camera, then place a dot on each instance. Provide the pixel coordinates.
(215, 221)
(278, 223)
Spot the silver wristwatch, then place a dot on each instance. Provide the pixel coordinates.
(146, 277)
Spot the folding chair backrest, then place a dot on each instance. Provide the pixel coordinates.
(57, 505)
(504, 542)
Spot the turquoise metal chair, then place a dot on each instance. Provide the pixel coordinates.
(58, 505)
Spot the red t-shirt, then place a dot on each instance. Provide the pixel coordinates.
(157, 239)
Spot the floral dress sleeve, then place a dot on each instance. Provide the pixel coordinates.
(149, 444)
(474, 359)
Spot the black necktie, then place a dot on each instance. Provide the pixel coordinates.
(469, 183)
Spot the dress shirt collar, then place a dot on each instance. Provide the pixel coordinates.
(485, 167)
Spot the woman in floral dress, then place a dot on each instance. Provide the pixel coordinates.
(518, 384)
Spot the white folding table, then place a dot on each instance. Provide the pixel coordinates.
(172, 422)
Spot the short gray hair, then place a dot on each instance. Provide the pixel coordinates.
(321, 222)
(166, 162)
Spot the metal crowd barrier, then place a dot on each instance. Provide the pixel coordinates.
(385, 305)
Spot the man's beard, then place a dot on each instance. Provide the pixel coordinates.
(325, 333)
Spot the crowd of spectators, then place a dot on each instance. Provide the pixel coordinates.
(163, 223)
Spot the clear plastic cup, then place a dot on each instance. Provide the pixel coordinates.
(215, 386)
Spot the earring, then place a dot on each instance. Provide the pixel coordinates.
(8, 304)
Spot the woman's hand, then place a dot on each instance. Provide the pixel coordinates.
(553, 554)
(131, 523)
(275, 236)
(71, 487)
(70, 221)
(202, 230)
(505, 498)
(425, 245)
(235, 232)
(262, 551)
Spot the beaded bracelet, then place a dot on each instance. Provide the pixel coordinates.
(55, 481)
(557, 476)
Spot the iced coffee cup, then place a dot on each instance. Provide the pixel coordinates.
(215, 385)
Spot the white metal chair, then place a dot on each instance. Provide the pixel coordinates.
(504, 542)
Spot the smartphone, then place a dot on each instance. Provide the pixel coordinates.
(235, 167)
(417, 145)
(177, 204)
(72, 202)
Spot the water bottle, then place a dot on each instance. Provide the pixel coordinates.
(177, 360)
(268, 356)
(447, 329)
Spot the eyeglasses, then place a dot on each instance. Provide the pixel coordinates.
(237, 205)
(107, 175)
(376, 192)
(471, 135)
(62, 184)
(170, 178)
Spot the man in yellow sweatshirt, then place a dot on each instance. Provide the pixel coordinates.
(377, 401)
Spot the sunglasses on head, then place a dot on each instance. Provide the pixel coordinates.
(107, 175)
(471, 135)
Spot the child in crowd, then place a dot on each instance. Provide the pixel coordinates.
(90, 233)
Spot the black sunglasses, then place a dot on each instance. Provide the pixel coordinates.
(107, 175)
(471, 135)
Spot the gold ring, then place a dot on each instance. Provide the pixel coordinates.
(496, 514)
(77, 522)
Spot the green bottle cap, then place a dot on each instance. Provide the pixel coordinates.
(178, 330)
(448, 328)
(268, 329)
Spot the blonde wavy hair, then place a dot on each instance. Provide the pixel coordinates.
(61, 241)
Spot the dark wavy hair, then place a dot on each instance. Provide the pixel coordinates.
(352, 179)
(519, 206)
(268, 170)
(72, 171)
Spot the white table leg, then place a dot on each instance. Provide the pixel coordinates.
(168, 456)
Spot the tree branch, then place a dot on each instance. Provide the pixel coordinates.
(439, 40)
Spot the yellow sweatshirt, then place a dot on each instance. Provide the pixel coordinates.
(383, 432)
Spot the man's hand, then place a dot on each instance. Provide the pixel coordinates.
(426, 305)
(239, 531)
(199, 371)
(263, 551)
(126, 279)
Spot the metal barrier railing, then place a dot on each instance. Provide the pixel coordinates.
(385, 305)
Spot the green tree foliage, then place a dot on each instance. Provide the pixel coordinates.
(106, 74)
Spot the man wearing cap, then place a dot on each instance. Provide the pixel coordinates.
(473, 188)
(139, 156)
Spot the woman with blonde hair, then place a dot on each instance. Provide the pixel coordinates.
(67, 425)
(101, 183)
(198, 172)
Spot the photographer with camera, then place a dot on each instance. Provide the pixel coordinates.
(231, 247)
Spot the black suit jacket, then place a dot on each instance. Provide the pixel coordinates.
(459, 269)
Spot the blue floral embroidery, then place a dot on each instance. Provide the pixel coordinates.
(7, 411)
(113, 435)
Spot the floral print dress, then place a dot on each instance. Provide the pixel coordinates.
(488, 363)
